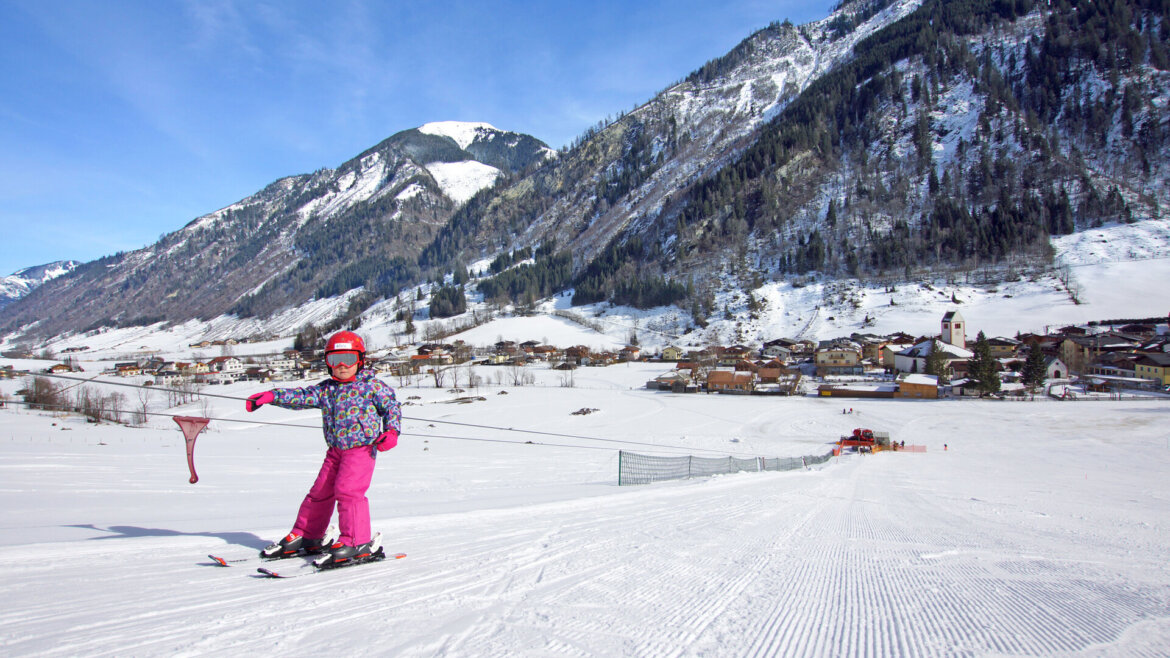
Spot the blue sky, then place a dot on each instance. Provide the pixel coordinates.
(121, 121)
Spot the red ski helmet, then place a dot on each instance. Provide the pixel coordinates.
(346, 341)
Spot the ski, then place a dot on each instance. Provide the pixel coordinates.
(310, 568)
(259, 556)
(226, 561)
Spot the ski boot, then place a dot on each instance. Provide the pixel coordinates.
(293, 545)
(342, 555)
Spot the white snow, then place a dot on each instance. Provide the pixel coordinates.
(463, 132)
(1039, 529)
(1027, 528)
(461, 180)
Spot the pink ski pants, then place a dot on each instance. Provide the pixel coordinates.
(344, 479)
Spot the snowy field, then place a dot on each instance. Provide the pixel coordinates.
(1040, 529)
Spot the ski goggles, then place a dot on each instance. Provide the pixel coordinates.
(348, 359)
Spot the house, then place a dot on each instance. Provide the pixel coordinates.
(776, 352)
(168, 378)
(871, 350)
(1154, 366)
(672, 353)
(913, 359)
(796, 348)
(1003, 348)
(730, 381)
(803, 349)
(630, 353)
(579, 354)
(889, 354)
(917, 386)
(744, 365)
(192, 369)
(771, 372)
(1079, 352)
(1141, 330)
(128, 370)
(965, 387)
(839, 358)
(282, 363)
(226, 364)
(670, 381)
(1054, 368)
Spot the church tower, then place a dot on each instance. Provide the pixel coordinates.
(953, 329)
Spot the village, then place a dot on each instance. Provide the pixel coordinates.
(1132, 357)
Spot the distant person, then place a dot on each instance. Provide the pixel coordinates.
(360, 417)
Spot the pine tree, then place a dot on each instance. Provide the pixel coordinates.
(936, 361)
(1034, 372)
(984, 367)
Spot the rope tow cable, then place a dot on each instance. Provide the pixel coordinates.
(420, 420)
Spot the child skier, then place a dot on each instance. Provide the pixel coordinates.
(360, 417)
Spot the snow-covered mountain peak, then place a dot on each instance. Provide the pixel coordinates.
(22, 282)
(463, 132)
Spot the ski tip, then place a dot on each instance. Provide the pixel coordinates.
(397, 556)
(218, 560)
(268, 572)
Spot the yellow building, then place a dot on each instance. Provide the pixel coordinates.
(917, 386)
(1153, 366)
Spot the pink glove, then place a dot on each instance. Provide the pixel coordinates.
(254, 402)
(387, 440)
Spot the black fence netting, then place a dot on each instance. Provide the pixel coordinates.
(644, 469)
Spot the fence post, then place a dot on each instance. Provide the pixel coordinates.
(621, 460)
(690, 472)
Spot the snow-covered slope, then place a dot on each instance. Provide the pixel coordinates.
(461, 180)
(463, 132)
(1102, 282)
(1009, 536)
(21, 282)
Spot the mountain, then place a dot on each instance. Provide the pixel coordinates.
(893, 141)
(21, 282)
(301, 237)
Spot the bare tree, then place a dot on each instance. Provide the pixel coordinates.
(473, 380)
(518, 375)
(567, 379)
(43, 394)
(143, 405)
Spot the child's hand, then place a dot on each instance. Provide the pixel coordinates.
(254, 402)
(387, 440)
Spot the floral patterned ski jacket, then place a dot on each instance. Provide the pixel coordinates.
(353, 413)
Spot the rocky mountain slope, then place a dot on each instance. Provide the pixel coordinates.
(306, 236)
(20, 283)
(895, 139)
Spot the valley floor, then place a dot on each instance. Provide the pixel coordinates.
(1040, 529)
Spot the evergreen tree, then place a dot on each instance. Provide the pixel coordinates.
(448, 301)
(1034, 373)
(936, 361)
(984, 367)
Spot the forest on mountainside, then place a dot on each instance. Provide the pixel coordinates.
(1045, 156)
